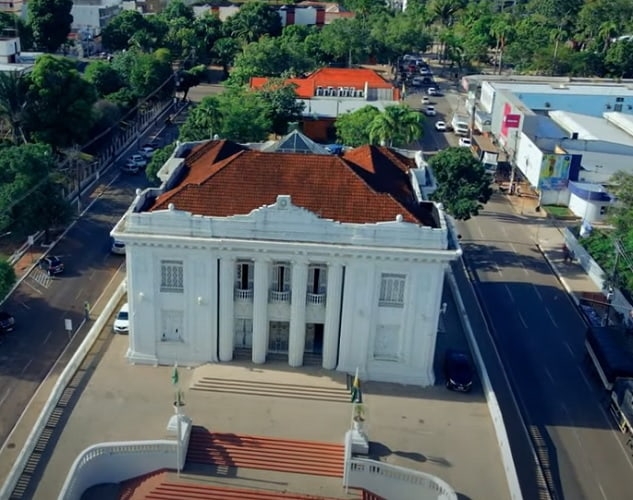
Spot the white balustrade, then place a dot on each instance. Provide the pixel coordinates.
(316, 299)
(245, 295)
(275, 296)
(391, 481)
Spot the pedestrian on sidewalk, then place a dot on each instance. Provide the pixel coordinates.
(566, 254)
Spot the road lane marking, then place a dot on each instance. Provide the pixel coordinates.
(571, 351)
(24, 305)
(498, 269)
(509, 293)
(26, 366)
(549, 375)
(584, 377)
(47, 337)
(513, 249)
(602, 491)
(32, 287)
(522, 320)
(524, 268)
(480, 231)
(6, 395)
(79, 293)
(503, 230)
(538, 294)
(551, 317)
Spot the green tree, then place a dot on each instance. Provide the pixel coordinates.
(619, 59)
(281, 100)
(60, 102)
(104, 77)
(245, 117)
(23, 169)
(13, 95)
(11, 23)
(176, 9)
(208, 29)
(203, 121)
(463, 184)
(352, 129)
(396, 126)
(252, 21)
(157, 161)
(50, 22)
(398, 34)
(346, 40)
(7, 277)
(621, 214)
(118, 33)
(223, 53)
(143, 73)
(190, 78)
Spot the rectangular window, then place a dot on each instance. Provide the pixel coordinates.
(171, 276)
(392, 290)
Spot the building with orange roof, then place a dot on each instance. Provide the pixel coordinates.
(330, 92)
(286, 249)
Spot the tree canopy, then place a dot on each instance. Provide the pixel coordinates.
(463, 184)
(50, 22)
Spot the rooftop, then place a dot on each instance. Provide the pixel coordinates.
(591, 127)
(331, 77)
(368, 184)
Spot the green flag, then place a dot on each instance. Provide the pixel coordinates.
(174, 375)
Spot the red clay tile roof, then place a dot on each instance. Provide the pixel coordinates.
(366, 185)
(332, 77)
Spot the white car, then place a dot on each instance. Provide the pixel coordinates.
(464, 142)
(426, 100)
(147, 151)
(424, 71)
(440, 126)
(118, 247)
(137, 160)
(122, 321)
(432, 91)
(430, 111)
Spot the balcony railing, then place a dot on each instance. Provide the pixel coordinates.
(245, 295)
(316, 299)
(276, 296)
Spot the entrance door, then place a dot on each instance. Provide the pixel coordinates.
(317, 344)
(243, 333)
(278, 336)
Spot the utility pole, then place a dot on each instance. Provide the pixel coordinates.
(612, 281)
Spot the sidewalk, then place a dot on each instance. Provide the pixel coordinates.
(548, 236)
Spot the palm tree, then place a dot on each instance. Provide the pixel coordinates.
(396, 125)
(501, 29)
(606, 32)
(557, 35)
(13, 91)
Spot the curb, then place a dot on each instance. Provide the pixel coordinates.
(559, 276)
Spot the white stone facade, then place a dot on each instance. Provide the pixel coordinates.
(283, 280)
(364, 296)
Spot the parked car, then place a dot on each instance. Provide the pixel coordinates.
(424, 70)
(458, 371)
(122, 320)
(130, 168)
(7, 322)
(138, 159)
(417, 82)
(440, 126)
(433, 91)
(147, 151)
(52, 265)
(426, 100)
(430, 111)
(118, 247)
(465, 142)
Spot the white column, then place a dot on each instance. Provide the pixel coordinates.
(297, 341)
(226, 309)
(334, 293)
(260, 311)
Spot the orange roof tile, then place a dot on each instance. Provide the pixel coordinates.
(331, 77)
(366, 185)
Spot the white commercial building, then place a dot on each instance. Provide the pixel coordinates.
(305, 255)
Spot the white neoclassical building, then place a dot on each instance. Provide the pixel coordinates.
(288, 250)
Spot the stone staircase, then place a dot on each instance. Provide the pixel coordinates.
(333, 393)
(137, 487)
(265, 453)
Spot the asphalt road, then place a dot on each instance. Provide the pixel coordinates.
(540, 338)
(41, 304)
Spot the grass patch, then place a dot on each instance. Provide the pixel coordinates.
(558, 211)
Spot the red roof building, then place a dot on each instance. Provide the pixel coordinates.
(254, 250)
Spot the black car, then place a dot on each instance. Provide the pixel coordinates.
(7, 322)
(52, 265)
(458, 371)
